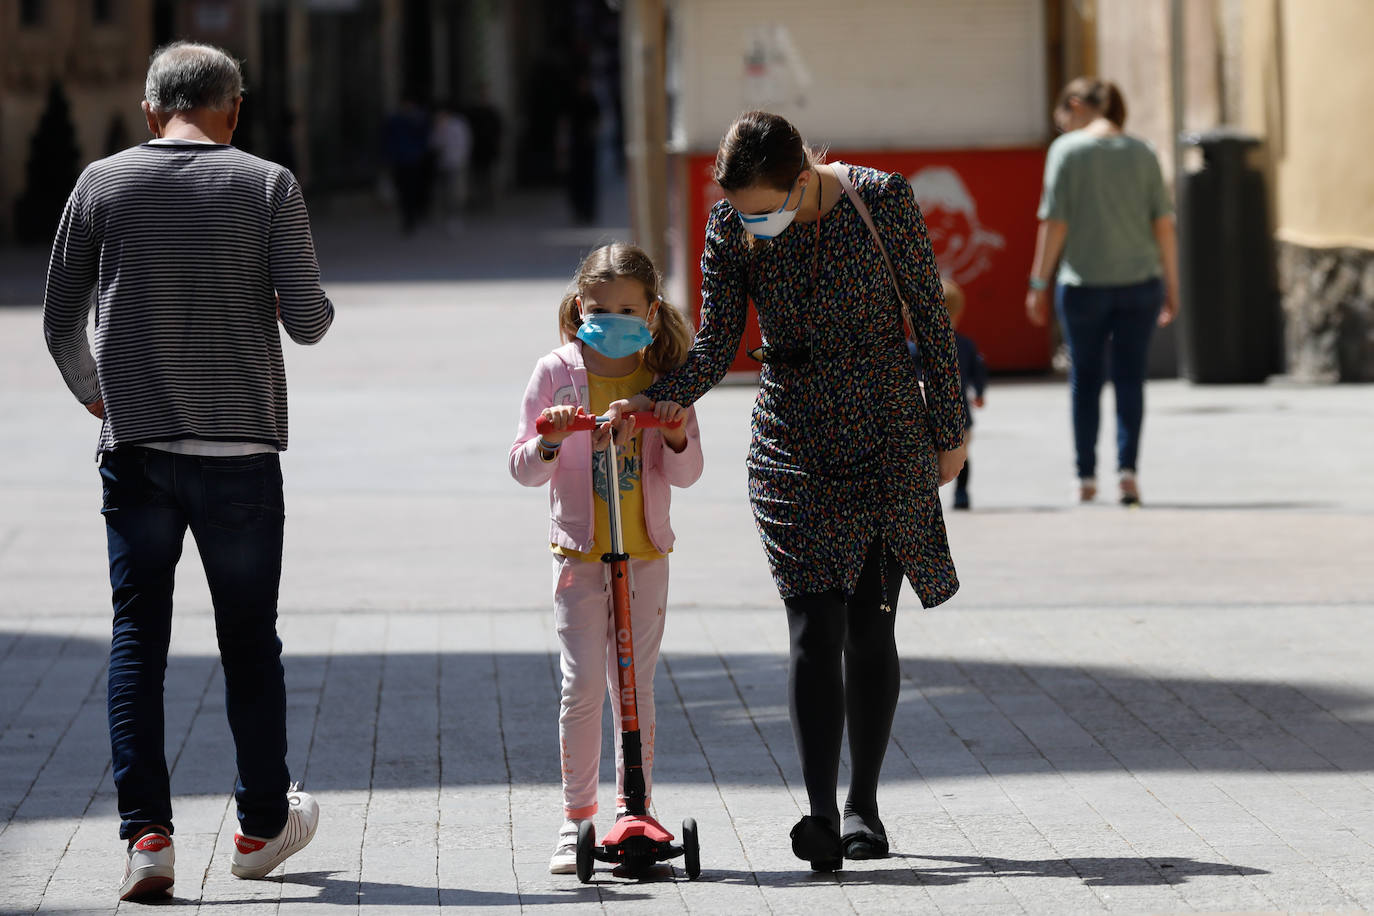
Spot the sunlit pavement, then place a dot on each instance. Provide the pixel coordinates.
(1154, 710)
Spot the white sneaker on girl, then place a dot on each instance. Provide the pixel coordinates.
(564, 861)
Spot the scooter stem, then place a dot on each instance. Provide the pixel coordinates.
(619, 561)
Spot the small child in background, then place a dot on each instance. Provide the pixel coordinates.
(973, 374)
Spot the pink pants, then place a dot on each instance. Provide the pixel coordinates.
(586, 634)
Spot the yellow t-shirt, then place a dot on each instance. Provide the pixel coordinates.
(601, 392)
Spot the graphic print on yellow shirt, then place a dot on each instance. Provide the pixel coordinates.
(601, 392)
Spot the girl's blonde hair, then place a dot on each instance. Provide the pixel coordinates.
(954, 297)
(672, 334)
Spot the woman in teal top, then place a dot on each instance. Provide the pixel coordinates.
(1107, 221)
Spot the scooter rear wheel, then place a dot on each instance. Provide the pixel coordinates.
(691, 848)
(586, 839)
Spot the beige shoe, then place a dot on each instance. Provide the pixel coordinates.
(1130, 490)
(1087, 489)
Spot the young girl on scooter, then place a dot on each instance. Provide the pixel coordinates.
(619, 335)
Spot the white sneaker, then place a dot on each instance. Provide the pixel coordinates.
(255, 857)
(148, 873)
(564, 861)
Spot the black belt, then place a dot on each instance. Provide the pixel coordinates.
(793, 357)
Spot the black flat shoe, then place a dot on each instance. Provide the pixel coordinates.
(814, 840)
(867, 841)
(864, 844)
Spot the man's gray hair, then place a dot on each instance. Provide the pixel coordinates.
(186, 75)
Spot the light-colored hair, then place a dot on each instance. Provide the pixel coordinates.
(184, 76)
(672, 334)
(1101, 95)
(954, 297)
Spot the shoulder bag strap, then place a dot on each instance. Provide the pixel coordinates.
(841, 173)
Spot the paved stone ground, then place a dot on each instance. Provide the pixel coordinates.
(1152, 711)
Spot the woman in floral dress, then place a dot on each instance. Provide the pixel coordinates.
(846, 457)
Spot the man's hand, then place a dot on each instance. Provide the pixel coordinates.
(951, 463)
(97, 408)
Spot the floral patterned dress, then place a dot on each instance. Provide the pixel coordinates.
(843, 446)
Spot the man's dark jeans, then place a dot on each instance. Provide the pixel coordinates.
(234, 509)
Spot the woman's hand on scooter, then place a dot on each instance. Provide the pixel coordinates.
(561, 416)
(618, 409)
(622, 429)
(601, 435)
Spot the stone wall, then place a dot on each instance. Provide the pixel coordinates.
(1328, 306)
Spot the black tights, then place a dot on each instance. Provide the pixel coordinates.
(844, 666)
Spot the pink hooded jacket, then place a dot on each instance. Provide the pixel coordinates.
(561, 378)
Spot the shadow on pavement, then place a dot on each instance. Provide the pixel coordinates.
(1123, 871)
(351, 892)
(1093, 871)
(417, 720)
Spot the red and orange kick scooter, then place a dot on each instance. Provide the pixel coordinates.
(636, 842)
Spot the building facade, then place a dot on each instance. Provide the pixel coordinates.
(320, 75)
(1297, 75)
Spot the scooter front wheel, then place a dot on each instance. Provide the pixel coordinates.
(586, 839)
(691, 848)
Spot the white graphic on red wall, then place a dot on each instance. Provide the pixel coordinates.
(963, 248)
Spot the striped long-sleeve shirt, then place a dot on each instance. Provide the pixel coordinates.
(187, 248)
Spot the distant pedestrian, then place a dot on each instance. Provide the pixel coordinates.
(583, 119)
(452, 142)
(487, 129)
(194, 251)
(846, 457)
(973, 376)
(619, 335)
(407, 148)
(1107, 221)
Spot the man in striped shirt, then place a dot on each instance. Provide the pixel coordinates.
(194, 252)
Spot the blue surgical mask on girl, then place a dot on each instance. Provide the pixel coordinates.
(770, 225)
(614, 336)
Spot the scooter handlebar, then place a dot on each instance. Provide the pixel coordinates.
(644, 419)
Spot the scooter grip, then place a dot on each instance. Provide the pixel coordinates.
(644, 419)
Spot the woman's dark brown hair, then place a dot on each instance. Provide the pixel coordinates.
(761, 150)
(1099, 94)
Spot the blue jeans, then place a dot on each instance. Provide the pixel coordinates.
(1097, 319)
(234, 509)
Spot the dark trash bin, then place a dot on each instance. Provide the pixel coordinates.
(1229, 324)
